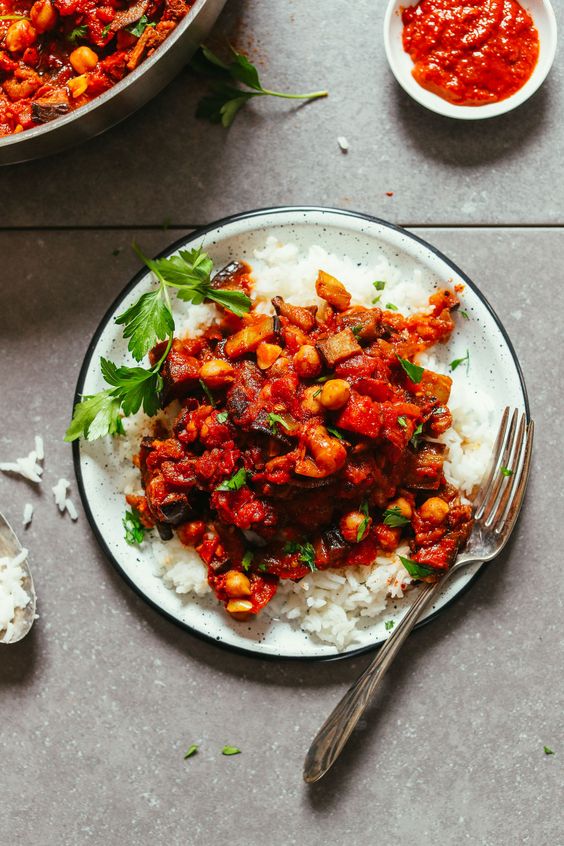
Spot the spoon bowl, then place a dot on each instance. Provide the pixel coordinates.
(24, 617)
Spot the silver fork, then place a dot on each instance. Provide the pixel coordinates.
(496, 508)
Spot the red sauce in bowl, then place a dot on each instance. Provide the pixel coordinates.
(473, 52)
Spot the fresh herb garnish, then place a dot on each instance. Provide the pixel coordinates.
(230, 750)
(414, 372)
(464, 314)
(356, 330)
(416, 435)
(134, 528)
(225, 99)
(306, 553)
(145, 322)
(402, 422)
(379, 285)
(361, 531)
(317, 393)
(263, 567)
(207, 392)
(139, 28)
(192, 750)
(77, 33)
(458, 361)
(222, 417)
(391, 307)
(394, 518)
(324, 379)
(376, 300)
(505, 471)
(389, 624)
(247, 560)
(416, 570)
(548, 750)
(236, 482)
(106, 30)
(275, 419)
(335, 432)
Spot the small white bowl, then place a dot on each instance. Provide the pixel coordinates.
(401, 64)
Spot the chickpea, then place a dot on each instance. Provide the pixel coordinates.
(354, 526)
(279, 367)
(20, 36)
(83, 59)
(434, 510)
(267, 354)
(403, 505)
(237, 584)
(216, 373)
(43, 15)
(335, 393)
(307, 362)
(239, 608)
(77, 85)
(310, 401)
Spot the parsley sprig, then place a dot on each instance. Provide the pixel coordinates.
(415, 569)
(134, 528)
(77, 33)
(306, 553)
(145, 323)
(363, 526)
(225, 99)
(394, 518)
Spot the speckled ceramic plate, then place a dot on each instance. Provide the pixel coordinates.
(495, 370)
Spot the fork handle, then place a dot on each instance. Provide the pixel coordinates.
(331, 738)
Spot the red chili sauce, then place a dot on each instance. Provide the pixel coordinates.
(473, 52)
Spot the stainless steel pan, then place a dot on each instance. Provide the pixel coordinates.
(124, 98)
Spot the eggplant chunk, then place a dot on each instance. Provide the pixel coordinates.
(230, 277)
(303, 318)
(425, 467)
(332, 291)
(339, 347)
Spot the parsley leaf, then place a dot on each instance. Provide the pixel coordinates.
(236, 482)
(135, 386)
(192, 750)
(246, 561)
(106, 30)
(139, 28)
(402, 422)
(548, 750)
(376, 300)
(458, 361)
(274, 419)
(134, 528)
(225, 99)
(207, 392)
(335, 432)
(317, 393)
(146, 322)
(416, 570)
(505, 471)
(394, 518)
(356, 330)
(465, 315)
(379, 285)
(389, 624)
(306, 553)
(361, 531)
(414, 372)
(222, 417)
(416, 435)
(95, 416)
(230, 750)
(391, 307)
(77, 33)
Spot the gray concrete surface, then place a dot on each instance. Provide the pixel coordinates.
(101, 701)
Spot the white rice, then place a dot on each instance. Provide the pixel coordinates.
(13, 595)
(60, 493)
(72, 512)
(27, 514)
(28, 466)
(334, 606)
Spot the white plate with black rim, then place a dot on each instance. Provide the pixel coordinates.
(495, 370)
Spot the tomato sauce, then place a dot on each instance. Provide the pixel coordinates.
(473, 52)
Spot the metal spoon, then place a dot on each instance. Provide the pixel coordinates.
(24, 617)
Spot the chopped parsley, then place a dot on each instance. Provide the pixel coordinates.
(77, 33)
(379, 285)
(247, 560)
(306, 553)
(416, 570)
(356, 330)
(548, 750)
(236, 482)
(222, 417)
(230, 750)
(106, 30)
(335, 432)
(376, 300)
(389, 625)
(391, 307)
(414, 372)
(402, 422)
(394, 518)
(323, 379)
(458, 361)
(274, 419)
(139, 28)
(317, 393)
(134, 528)
(416, 435)
(192, 750)
(207, 392)
(505, 471)
(464, 314)
(361, 531)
